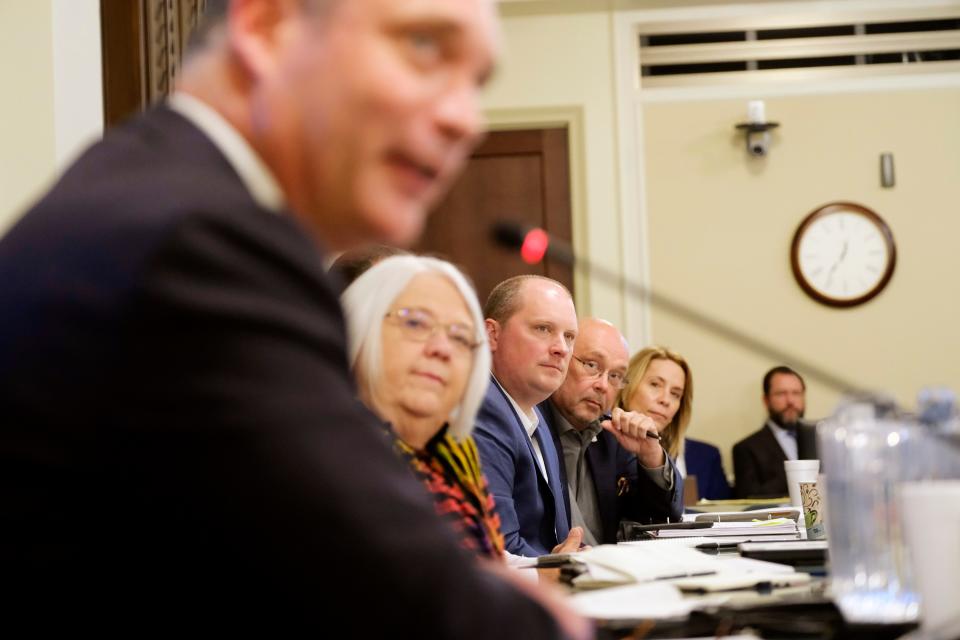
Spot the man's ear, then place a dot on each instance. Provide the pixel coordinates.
(258, 30)
(766, 402)
(493, 333)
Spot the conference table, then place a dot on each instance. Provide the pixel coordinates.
(796, 612)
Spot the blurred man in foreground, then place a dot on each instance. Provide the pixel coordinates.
(180, 440)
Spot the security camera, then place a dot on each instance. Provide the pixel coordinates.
(758, 143)
(757, 129)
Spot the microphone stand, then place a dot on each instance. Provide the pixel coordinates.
(513, 236)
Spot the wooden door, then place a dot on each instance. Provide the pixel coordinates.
(522, 176)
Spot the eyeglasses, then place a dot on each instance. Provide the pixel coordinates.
(592, 369)
(420, 325)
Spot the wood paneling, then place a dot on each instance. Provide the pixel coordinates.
(521, 176)
(143, 44)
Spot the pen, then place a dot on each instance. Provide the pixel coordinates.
(608, 416)
(716, 546)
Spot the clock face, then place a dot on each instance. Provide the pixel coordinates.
(843, 254)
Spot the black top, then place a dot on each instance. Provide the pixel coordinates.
(758, 462)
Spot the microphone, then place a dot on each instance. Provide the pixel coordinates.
(532, 242)
(536, 244)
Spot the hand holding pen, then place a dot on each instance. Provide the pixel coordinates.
(609, 416)
(637, 433)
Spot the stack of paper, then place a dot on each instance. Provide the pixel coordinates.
(635, 564)
(648, 601)
(775, 526)
(793, 513)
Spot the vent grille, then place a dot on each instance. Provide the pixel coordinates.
(720, 51)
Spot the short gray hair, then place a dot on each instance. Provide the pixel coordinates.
(365, 304)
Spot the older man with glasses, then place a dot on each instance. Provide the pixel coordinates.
(614, 465)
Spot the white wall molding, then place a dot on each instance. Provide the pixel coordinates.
(633, 214)
(747, 91)
(77, 77)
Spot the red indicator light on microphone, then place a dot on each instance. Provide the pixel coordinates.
(534, 246)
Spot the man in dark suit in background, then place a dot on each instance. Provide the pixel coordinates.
(531, 325)
(612, 472)
(758, 459)
(180, 441)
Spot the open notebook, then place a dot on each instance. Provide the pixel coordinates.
(608, 565)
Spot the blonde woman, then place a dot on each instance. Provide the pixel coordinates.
(661, 386)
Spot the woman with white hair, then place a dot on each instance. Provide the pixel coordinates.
(417, 346)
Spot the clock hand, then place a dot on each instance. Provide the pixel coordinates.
(843, 254)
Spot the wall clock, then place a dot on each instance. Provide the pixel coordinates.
(843, 254)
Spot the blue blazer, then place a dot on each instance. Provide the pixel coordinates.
(703, 461)
(533, 514)
(624, 491)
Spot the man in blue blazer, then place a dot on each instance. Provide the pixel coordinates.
(613, 471)
(531, 325)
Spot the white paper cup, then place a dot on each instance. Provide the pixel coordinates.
(931, 521)
(800, 471)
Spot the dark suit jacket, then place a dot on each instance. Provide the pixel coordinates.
(608, 463)
(758, 462)
(180, 444)
(533, 514)
(703, 461)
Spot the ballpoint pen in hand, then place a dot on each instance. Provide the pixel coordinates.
(609, 416)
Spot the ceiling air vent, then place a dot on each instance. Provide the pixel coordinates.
(777, 48)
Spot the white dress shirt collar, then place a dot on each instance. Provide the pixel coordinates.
(786, 439)
(254, 174)
(530, 420)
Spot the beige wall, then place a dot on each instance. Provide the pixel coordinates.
(50, 65)
(27, 151)
(723, 246)
(559, 68)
